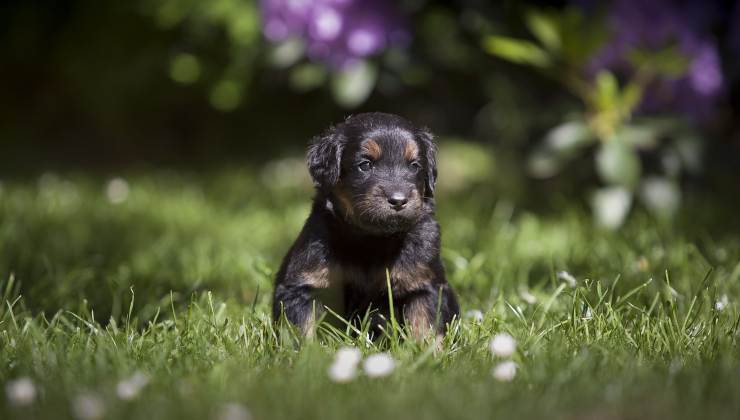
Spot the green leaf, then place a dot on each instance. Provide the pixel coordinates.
(607, 90)
(689, 146)
(545, 28)
(618, 164)
(561, 144)
(611, 206)
(568, 136)
(516, 50)
(581, 37)
(185, 68)
(287, 53)
(242, 25)
(661, 196)
(668, 62)
(631, 98)
(226, 95)
(307, 76)
(351, 87)
(642, 136)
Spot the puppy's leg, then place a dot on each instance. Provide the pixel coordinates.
(298, 304)
(419, 314)
(427, 312)
(296, 298)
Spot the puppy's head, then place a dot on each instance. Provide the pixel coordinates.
(377, 170)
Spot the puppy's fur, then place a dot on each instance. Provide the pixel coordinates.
(373, 211)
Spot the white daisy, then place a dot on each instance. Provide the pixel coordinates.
(722, 303)
(88, 406)
(21, 391)
(344, 367)
(117, 190)
(474, 314)
(568, 278)
(233, 411)
(129, 388)
(349, 355)
(588, 314)
(527, 296)
(504, 371)
(502, 345)
(342, 372)
(379, 365)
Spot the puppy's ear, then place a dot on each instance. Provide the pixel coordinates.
(324, 158)
(426, 139)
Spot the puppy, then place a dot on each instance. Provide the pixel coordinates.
(372, 214)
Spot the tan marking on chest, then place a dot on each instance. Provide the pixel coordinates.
(344, 274)
(345, 203)
(403, 279)
(317, 278)
(406, 279)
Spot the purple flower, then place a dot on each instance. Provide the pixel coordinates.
(705, 73)
(653, 26)
(337, 32)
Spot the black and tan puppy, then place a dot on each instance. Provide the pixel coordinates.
(373, 211)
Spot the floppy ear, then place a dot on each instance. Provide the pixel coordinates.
(426, 139)
(324, 158)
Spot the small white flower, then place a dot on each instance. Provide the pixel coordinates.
(722, 303)
(379, 365)
(349, 355)
(660, 195)
(567, 277)
(342, 372)
(474, 314)
(88, 406)
(21, 391)
(185, 388)
(129, 389)
(504, 371)
(588, 314)
(117, 190)
(527, 296)
(233, 411)
(502, 345)
(675, 367)
(611, 206)
(344, 367)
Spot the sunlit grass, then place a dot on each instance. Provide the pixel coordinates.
(169, 279)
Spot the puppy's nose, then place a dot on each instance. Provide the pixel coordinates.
(398, 200)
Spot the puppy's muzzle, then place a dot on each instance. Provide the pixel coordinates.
(398, 200)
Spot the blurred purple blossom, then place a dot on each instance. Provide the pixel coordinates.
(657, 24)
(337, 32)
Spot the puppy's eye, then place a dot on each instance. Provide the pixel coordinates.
(415, 166)
(365, 165)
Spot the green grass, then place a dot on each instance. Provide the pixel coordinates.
(175, 282)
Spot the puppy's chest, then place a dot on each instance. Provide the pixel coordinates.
(371, 280)
(363, 269)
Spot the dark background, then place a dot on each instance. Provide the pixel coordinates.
(85, 86)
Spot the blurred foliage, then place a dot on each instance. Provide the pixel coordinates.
(197, 85)
(607, 126)
(235, 22)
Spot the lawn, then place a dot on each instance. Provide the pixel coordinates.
(148, 296)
